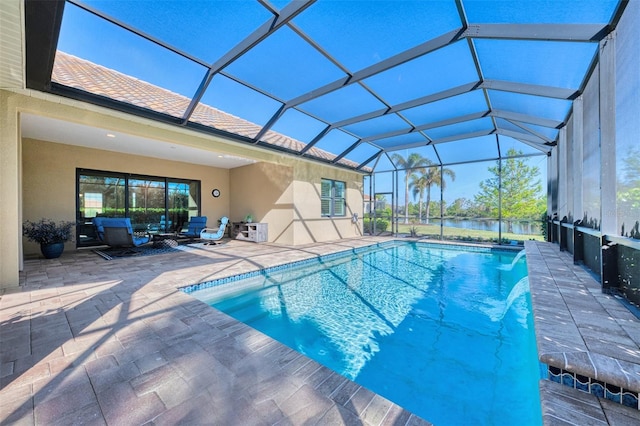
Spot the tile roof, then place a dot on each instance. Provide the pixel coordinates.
(83, 75)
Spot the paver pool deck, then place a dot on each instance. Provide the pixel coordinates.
(86, 340)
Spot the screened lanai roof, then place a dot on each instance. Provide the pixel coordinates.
(344, 82)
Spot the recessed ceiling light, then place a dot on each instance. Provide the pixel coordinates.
(220, 156)
(111, 135)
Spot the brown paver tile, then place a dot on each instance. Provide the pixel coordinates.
(377, 410)
(199, 410)
(121, 406)
(344, 393)
(306, 406)
(63, 396)
(396, 416)
(141, 352)
(150, 362)
(581, 330)
(360, 401)
(174, 391)
(338, 415)
(90, 414)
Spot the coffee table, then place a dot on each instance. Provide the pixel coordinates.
(164, 240)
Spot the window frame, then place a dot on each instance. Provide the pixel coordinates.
(333, 197)
(81, 221)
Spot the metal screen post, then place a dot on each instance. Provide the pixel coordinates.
(394, 200)
(610, 278)
(441, 203)
(500, 201)
(578, 244)
(608, 201)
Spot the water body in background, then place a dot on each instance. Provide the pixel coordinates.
(517, 227)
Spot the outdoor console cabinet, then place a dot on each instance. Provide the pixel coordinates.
(256, 232)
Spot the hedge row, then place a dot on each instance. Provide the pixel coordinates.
(381, 225)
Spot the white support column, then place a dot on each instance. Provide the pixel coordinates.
(608, 191)
(10, 189)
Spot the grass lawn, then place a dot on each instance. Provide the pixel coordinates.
(451, 233)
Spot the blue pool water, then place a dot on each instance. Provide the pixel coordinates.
(444, 332)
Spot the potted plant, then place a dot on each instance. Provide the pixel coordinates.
(50, 235)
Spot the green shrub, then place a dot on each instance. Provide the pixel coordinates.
(381, 225)
(543, 225)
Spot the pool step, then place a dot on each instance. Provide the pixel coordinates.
(244, 308)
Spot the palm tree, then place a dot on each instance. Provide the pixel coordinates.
(433, 177)
(418, 184)
(410, 164)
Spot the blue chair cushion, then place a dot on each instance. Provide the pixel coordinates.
(207, 235)
(98, 223)
(138, 241)
(114, 222)
(118, 222)
(196, 224)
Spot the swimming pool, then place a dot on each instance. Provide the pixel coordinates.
(444, 331)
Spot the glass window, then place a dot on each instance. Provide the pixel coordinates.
(98, 195)
(182, 203)
(146, 202)
(333, 198)
(154, 204)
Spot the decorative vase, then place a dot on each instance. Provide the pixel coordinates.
(52, 251)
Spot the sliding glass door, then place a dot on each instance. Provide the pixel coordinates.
(147, 203)
(154, 204)
(183, 202)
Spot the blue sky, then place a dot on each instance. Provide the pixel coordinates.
(466, 184)
(357, 34)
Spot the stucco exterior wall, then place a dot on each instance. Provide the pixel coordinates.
(49, 180)
(38, 178)
(309, 225)
(287, 197)
(265, 191)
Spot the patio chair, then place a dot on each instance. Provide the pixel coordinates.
(165, 224)
(98, 224)
(196, 224)
(211, 235)
(117, 232)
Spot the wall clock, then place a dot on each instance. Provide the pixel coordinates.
(215, 193)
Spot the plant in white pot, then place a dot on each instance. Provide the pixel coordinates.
(50, 235)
